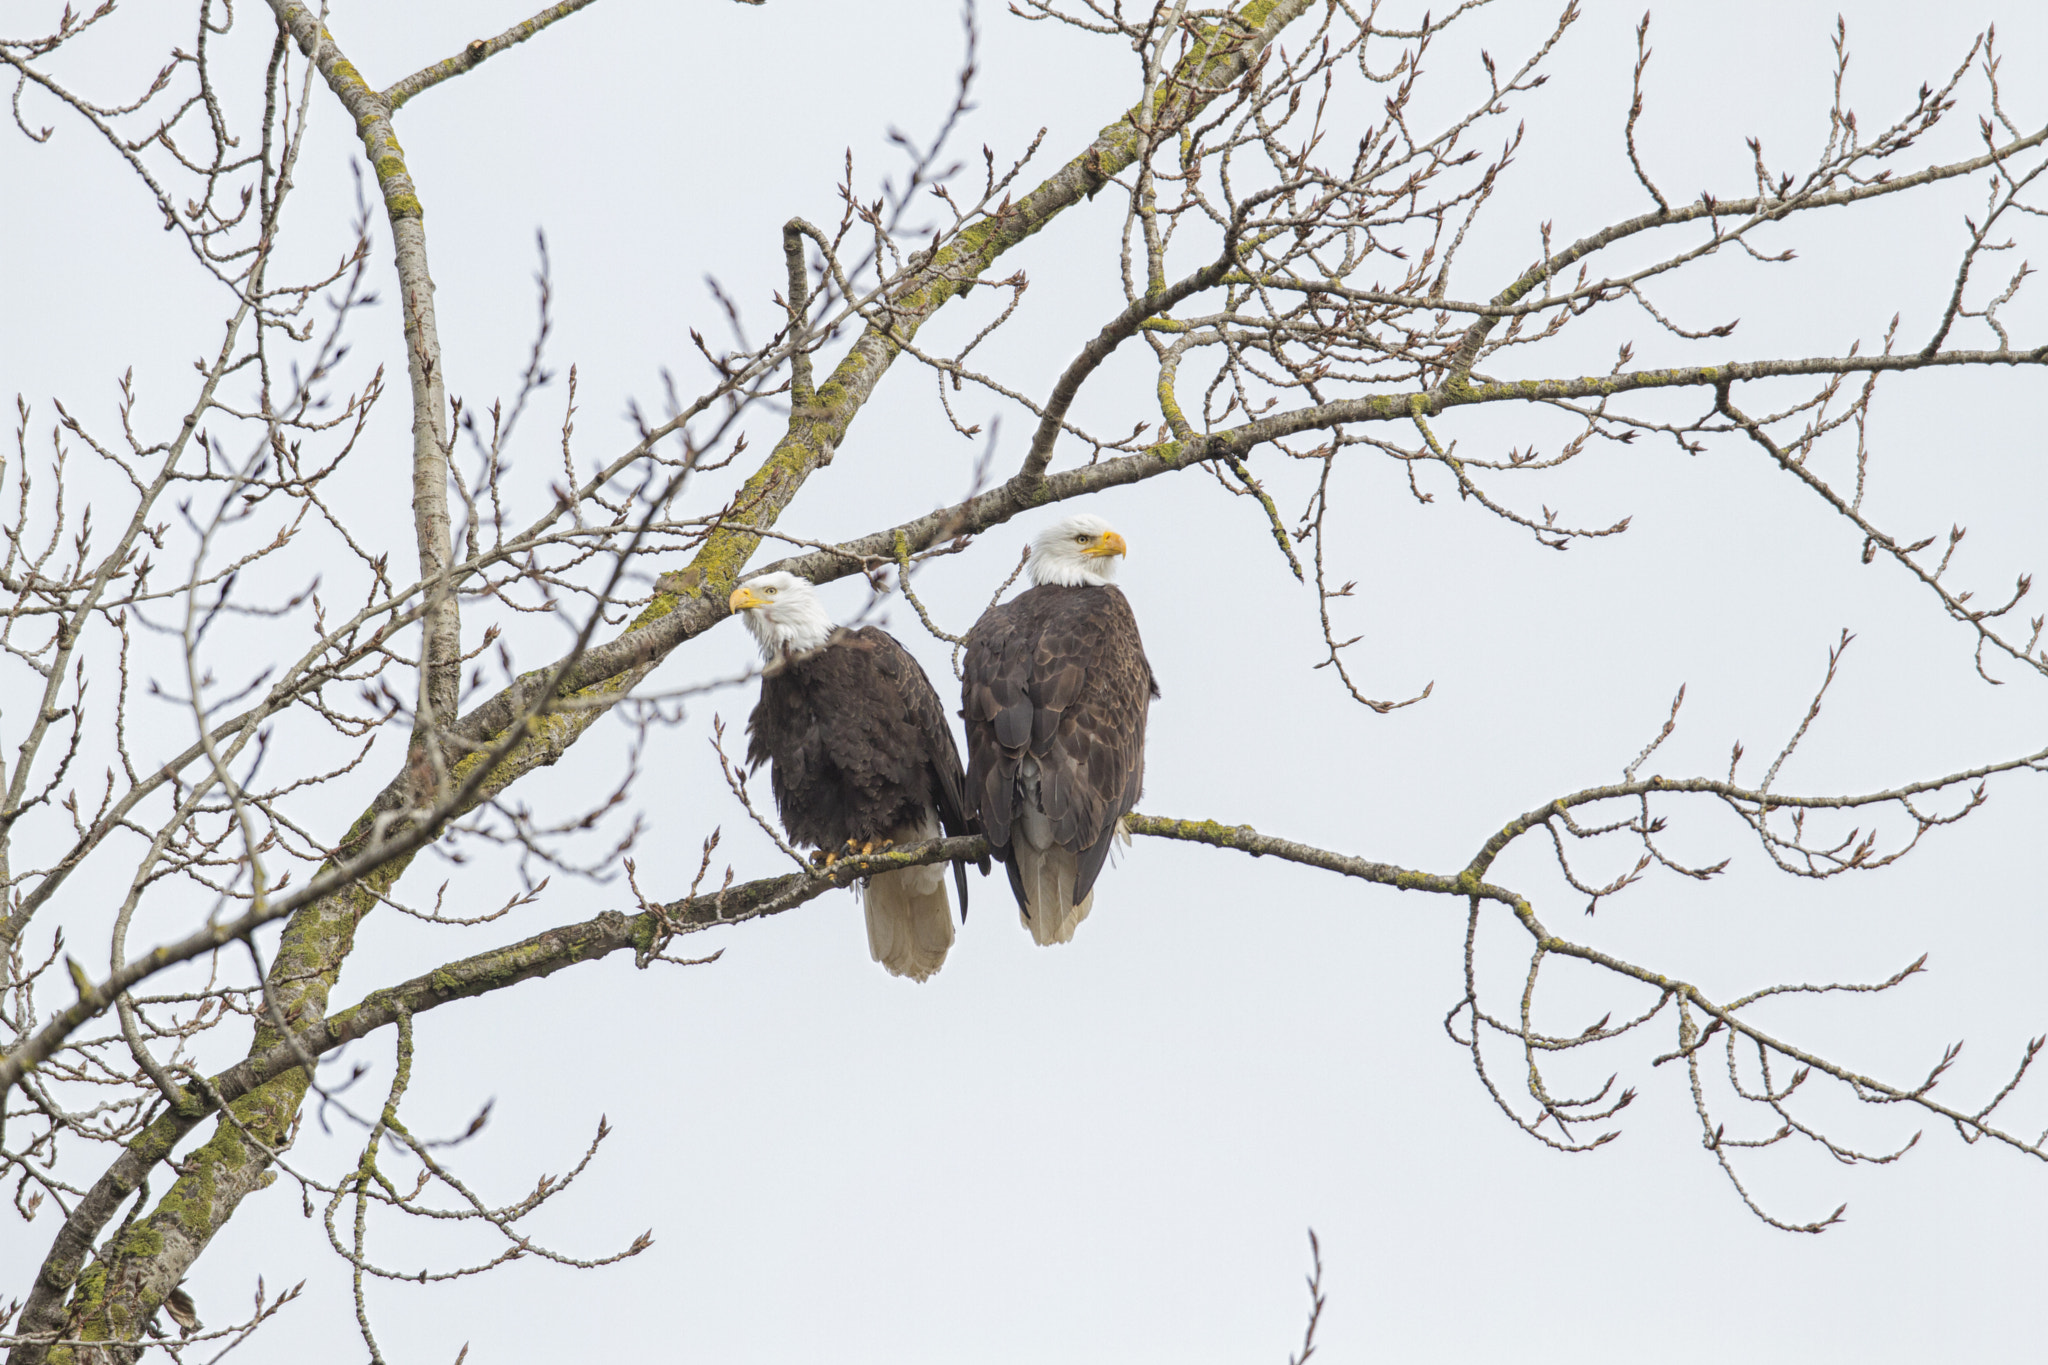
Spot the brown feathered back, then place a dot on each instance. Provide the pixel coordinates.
(1058, 674)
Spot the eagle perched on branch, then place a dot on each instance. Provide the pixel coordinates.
(861, 754)
(1055, 699)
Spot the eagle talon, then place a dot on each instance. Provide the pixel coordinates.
(867, 848)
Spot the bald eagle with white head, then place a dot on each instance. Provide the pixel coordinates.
(1055, 699)
(860, 753)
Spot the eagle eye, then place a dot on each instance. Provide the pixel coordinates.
(1081, 538)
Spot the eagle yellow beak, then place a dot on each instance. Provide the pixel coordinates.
(1106, 544)
(743, 597)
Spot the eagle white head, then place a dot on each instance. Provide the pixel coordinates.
(784, 614)
(1080, 551)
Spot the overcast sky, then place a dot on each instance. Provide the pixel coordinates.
(1114, 1150)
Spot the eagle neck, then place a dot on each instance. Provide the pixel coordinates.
(1071, 571)
(787, 641)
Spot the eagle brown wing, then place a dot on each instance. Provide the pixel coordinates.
(925, 716)
(1059, 673)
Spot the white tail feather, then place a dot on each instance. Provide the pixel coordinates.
(1046, 869)
(910, 920)
(1048, 875)
(909, 914)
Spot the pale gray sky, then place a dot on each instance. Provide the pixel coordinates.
(1113, 1150)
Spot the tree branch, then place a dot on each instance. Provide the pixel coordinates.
(440, 663)
(1114, 333)
(474, 55)
(1759, 208)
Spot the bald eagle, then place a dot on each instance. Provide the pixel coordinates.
(861, 753)
(1055, 698)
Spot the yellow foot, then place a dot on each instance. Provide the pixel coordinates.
(867, 848)
(819, 857)
(886, 845)
(830, 859)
